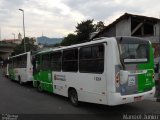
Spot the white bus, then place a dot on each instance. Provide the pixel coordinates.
(20, 67)
(108, 71)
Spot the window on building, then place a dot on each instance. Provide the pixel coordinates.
(142, 27)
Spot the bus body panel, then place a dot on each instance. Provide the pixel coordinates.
(90, 87)
(22, 73)
(148, 77)
(117, 98)
(45, 78)
(141, 88)
(11, 74)
(103, 88)
(29, 67)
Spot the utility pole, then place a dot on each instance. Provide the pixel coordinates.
(23, 30)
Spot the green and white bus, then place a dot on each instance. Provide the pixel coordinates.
(20, 68)
(109, 71)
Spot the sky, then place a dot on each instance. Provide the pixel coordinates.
(57, 18)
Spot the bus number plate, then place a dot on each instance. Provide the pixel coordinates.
(131, 80)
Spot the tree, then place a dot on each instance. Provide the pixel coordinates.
(29, 42)
(99, 26)
(53, 45)
(69, 40)
(84, 29)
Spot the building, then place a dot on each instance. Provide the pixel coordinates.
(134, 25)
(33, 40)
(16, 41)
(6, 49)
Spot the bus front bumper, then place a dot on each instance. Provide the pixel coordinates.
(117, 98)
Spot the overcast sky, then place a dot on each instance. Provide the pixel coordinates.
(57, 18)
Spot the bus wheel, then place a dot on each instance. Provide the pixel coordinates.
(20, 81)
(73, 97)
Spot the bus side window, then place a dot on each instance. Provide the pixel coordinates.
(45, 65)
(13, 64)
(36, 64)
(56, 61)
(91, 59)
(24, 65)
(70, 60)
(141, 51)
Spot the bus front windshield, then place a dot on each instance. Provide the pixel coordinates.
(134, 53)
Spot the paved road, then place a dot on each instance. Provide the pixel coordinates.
(17, 99)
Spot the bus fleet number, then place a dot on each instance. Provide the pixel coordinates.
(97, 78)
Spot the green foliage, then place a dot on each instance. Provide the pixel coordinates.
(52, 45)
(99, 26)
(56, 45)
(69, 40)
(29, 42)
(83, 31)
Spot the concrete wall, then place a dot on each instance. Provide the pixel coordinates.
(156, 29)
(123, 28)
(5, 51)
(5, 55)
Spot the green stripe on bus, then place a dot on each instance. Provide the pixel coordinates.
(145, 81)
(11, 74)
(45, 79)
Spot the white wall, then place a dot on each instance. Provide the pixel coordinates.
(110, 32)
(156, 29)
(123, 28)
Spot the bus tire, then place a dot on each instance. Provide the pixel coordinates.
(20, 81)
(73, 97)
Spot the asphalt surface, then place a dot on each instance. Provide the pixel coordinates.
(27, 101)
